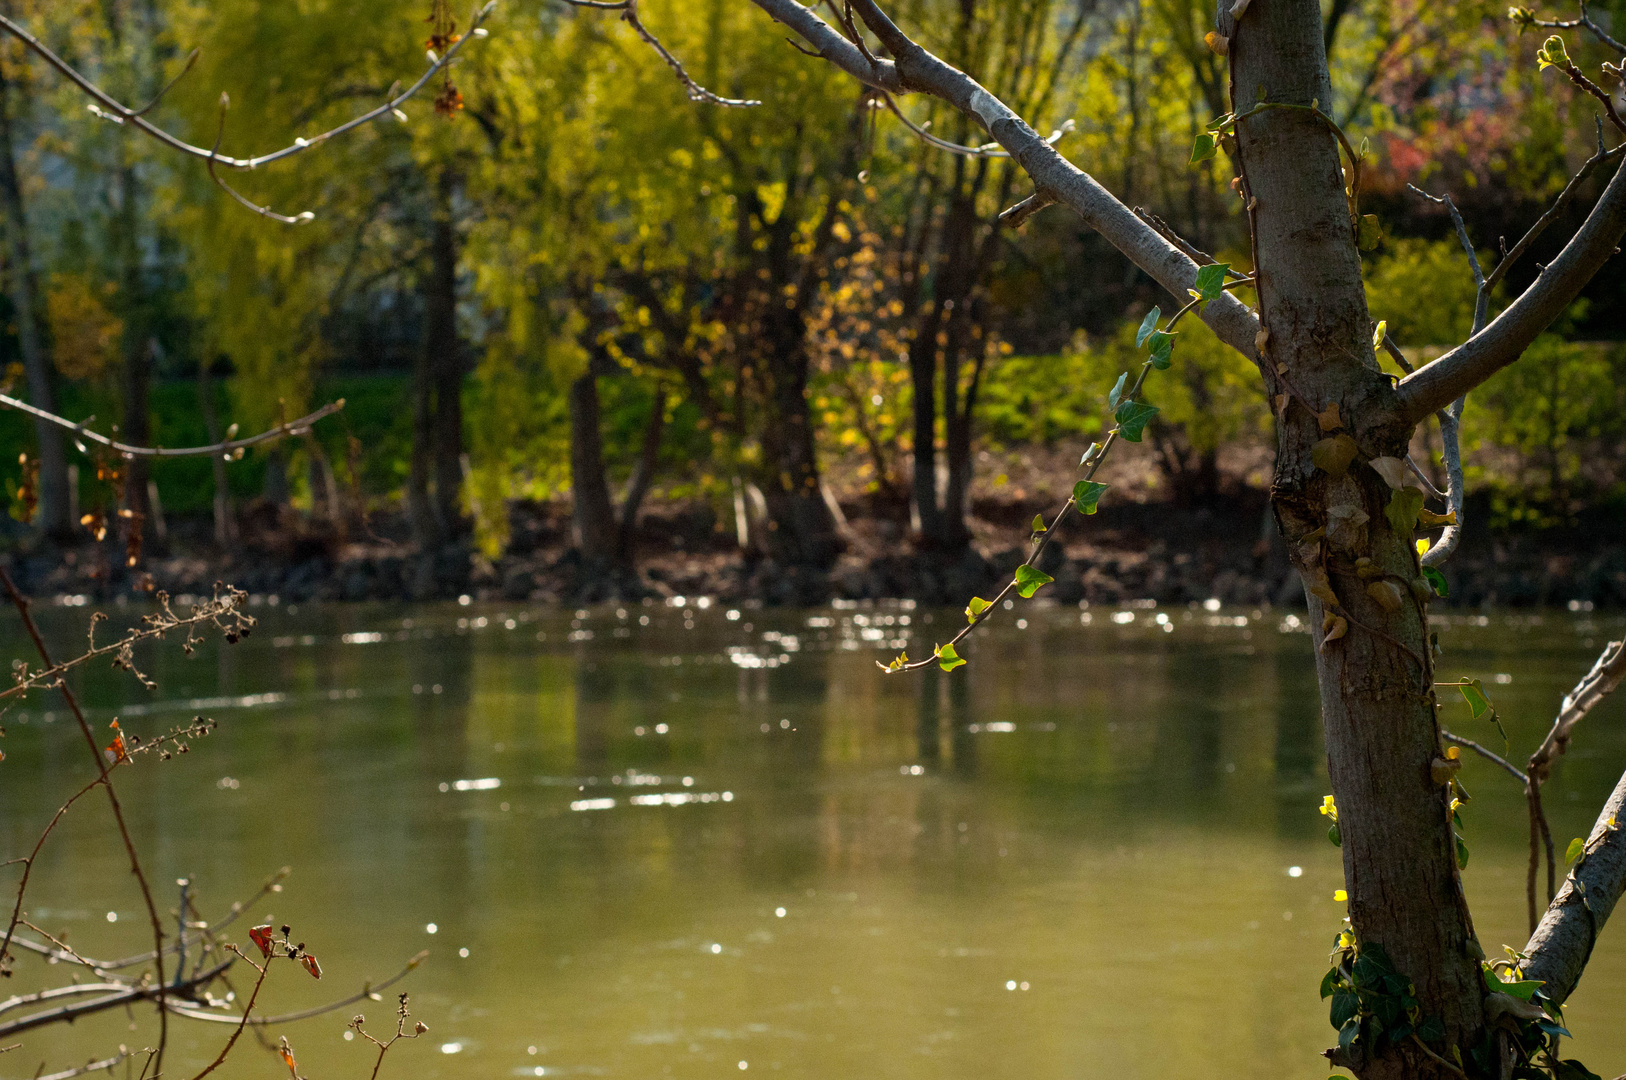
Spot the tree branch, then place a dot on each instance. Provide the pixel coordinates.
(281, 431)
(1436, 385)
(1563, 943)
(916, 69)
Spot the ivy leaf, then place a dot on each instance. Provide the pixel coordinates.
(1402, 510)
(1029, 579)
(1436, 581)
(977, 606)
(1038, 523)
(1570, 1069)
(1573, 852)
(1086, 494)
(1473, 692)
(1349, 1031)
(948, 659)
(1203, 148)
(1117, 391)
(1333, 455)
(1211, 281)
(1335, 836)
(1219, 123)
(1133, 416)
(1329, 983)
(1462, 854)
(1162, 345)
(1147, 325)
(1431, 1030)
(1345, 1006)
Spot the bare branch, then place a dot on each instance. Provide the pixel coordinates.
(629, 15)
(1563, 943)
(1599, 683)
(108, 107)
(1484, 753)
(916, 69)
(1436, 385)
(125, 995)
(281, 431)
(1584, 22)
(367, 991)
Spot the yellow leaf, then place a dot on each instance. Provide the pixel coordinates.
(1340, 895)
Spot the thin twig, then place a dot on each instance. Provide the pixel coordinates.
(366, 992)
(629, 15)
(1489, 755)
(159, 990)
(248, 1008)
(1584, 22)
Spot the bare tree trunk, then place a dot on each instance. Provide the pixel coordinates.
(592, 513)
(446, 356)
(54, 511)
(1376, 696)
(923, 379)
(643, 475)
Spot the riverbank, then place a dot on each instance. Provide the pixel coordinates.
(1141, 551)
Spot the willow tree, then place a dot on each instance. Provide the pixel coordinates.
(1412, 981)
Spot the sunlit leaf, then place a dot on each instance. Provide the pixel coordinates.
(1147, 325)
(1473, 691)
(1436, 581)
(1117, 392)
(1402, 510)
(1029, 579)
(948, 659)
(1211, 280)
(1203, 148)
(1573, 852)
(977, 606)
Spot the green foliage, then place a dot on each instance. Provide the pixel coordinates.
(1573, 852)
(1371, 1001)
(948, 659)
(1423, 291)
(1029, 579)
(1087, 495)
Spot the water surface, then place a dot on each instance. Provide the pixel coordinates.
(674, 840)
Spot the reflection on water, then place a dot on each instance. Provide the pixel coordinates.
(688, 841)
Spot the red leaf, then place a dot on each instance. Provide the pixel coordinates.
(312, 966)
(261, 936)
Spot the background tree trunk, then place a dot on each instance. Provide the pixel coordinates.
(592, 514)
(54, 503)
(225, 526)
(1376, 695)
(446, 358)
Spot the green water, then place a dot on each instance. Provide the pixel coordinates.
(690, 842)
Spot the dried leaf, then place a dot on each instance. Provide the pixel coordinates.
(1392, 469)
(1239, 7)
(1261, 339)
(1340, 627)
(1333, 455)
(1315, 580)
(1329, 419)
(311, 965)
(1218, 42)
(1281, 404)
(1428, 519)
(1387, 594)
(1346, 515)
(261, 937)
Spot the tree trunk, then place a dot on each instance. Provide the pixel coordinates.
(923, 380)
(53, 516)
(1376, 695)
(592, 514)
(135, 379)
(643, 475)
(446, 358)
(225, 530)
(801, 529)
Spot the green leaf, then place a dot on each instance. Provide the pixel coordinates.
(1462, 854)
(1029, 579)
(1570, 1069)
(1117, 391)
(1378, 955)
(1574, 850)
(977, 606)
(1211, 280)
(1436, 581)
(1431, 1030)
(1335, 836)
(1219, 122)
(1402, 511)
(1038, 523)
(1086, 494)
(948, 659)
(1329, 983)
(1369, 234)
(1552, 54)
(1334, 454)
(1349, 1031)
(1162, 345)
(1345, 1006)
(1203, 148)
(1473, 692)
(1147, 325)
(1132, 417)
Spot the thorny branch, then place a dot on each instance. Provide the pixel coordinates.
(109, 108)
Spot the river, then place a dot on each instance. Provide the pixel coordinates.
(687, 840)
